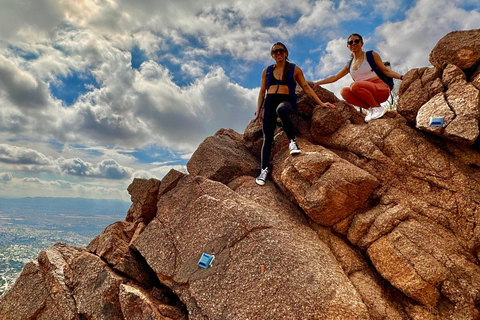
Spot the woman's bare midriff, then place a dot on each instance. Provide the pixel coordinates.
(282, 89)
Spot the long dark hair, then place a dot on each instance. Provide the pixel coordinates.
(287, 62)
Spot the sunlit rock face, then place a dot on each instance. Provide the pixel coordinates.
(373, 220)
(449, 90)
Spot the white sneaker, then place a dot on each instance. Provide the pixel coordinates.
(378, 112)
(368, 116)
(262, 177)
(293, 147)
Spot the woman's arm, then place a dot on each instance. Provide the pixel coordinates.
(261, 95)
(342, 73)
(386, 71)
(298, 76)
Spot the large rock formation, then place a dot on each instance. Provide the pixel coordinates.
(370, 221)
(450, 89)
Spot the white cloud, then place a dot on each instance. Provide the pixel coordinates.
(32, 160)
(21, 155)
(134, 108)
(6, 177)
(130, 107)
(20, 16)
(386, 8)
(408, 43)
(107, 169)
(321, 14)
(35, 187)
(336, 56)
(21, 88)
(193, 69)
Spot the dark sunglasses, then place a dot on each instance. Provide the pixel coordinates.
(352, 41)
(276, 51)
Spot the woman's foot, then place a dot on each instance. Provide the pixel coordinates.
(368, 116)
(376, 113)
(262, 177)
(294, 149)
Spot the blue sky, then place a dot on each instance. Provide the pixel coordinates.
(94, 93)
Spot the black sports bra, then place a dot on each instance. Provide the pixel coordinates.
(275, 81)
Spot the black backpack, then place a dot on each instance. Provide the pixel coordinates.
(388, 80)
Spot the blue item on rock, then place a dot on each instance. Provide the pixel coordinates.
(206, 260)
(436, 121)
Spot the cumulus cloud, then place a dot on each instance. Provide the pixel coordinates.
(136, 107)
(18, 16)
(20, 155)
(386, 8)
(111, 169)
(36, 161)
(335, 57)
(408, 43)
(20, 87)
(193, 69)
(107, 169)
(35, 187)
(6, 177)
(322, 14)
(145, 106)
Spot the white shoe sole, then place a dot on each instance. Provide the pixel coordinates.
(380, 115)
(260, 182)
(368, 116)
(295, 151)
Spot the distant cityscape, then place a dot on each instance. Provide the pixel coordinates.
(30, 225)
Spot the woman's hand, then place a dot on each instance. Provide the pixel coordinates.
(328, 105)
(258, 117)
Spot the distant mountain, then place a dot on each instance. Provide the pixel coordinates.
(56, 205)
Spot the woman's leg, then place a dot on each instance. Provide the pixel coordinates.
(348, 96)
(371, 92)
(268, 126)
(283, 111)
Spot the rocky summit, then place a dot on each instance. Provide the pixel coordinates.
(370, 221)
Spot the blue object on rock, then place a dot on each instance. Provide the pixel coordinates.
(436, 121)
(205, 260)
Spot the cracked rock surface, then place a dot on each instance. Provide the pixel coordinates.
(450, 89)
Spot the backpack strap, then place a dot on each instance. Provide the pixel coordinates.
(371, 61)
(269, 75)
(349, 64)
(292, 85)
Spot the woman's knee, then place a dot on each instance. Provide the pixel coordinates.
(345, 93)
(284, 109)
(356, 86)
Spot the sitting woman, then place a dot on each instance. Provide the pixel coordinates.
(279, 82)
(367, 90)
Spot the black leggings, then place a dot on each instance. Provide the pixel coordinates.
(276, 105)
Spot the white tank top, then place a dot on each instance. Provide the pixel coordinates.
(364, 72)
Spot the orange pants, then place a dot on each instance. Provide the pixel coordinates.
(366, 94)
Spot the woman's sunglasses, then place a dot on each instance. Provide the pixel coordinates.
(352, 41)
(277, 51)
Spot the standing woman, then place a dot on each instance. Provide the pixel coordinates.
(367, 90)
(279, 82)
